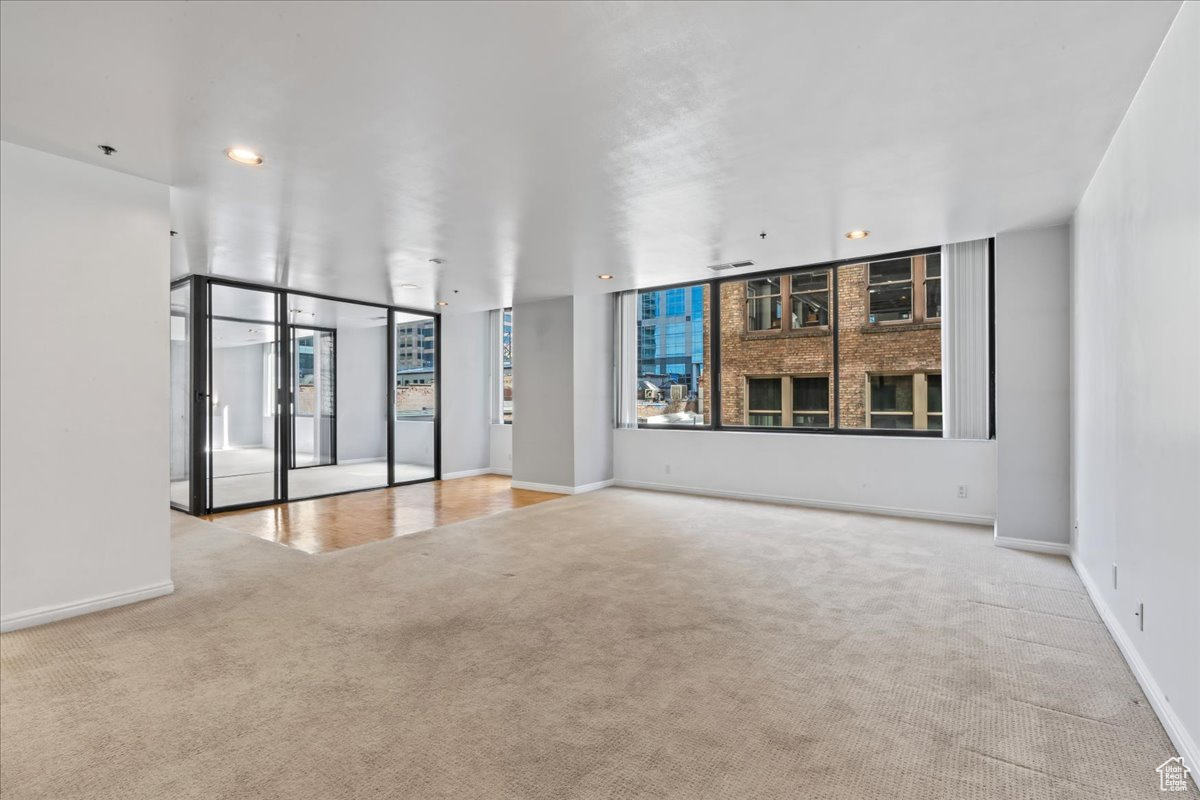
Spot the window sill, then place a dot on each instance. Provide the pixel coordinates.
(886, 433)
(899, 327)
(804, 333)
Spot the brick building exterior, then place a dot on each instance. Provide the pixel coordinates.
(906, 347)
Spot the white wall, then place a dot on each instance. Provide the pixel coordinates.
(501, 437)
(543, 393)
(592, 366)
(362, 393)
(1032, 386)
(1135, 393)
(889, 474)
(465, 378)
(84, 264)
(562, 394)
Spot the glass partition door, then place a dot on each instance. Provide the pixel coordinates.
(243, 396)
(339, 388)
(415, 398)
(181, 395)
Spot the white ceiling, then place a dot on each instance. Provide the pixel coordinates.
(535, 145)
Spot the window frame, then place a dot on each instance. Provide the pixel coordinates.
(835, 428)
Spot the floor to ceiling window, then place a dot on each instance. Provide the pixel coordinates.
(181, 394)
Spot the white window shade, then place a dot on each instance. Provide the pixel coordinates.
(496, 365)
(625, 362)
(965, 341)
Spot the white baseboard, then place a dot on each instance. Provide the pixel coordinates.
(890, 511)
(40, 616)
(1033, 545)
(501, 470)
(466, 473)
(1184, 743)
(557, 489)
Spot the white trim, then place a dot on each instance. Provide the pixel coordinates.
(40, 616)
(591, 487)
(890, 511)
(501, 471)
(1033, 545)
(1171, 723)
(557, 489)
(466, 473)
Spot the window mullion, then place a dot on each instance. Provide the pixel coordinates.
(785, 400)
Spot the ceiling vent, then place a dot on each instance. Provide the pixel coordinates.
(731, 265)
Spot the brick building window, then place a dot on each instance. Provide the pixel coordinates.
(933, 286)
(904, 289)
(905, 402)
(764, 304)
(810, 298)
(807, 295)
(890, 290)
(764, 402)
(806, 399)
(810, 402)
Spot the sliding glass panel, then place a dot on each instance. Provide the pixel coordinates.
(314, 407)
(672, 341)
(415, 389)
(181, 395)
(339, 396)
(243, 395)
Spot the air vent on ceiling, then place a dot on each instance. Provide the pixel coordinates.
(731, 265)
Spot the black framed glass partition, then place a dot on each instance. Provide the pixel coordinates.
(415, 392)
(280, 395)
(338, 396)
(244, 442)
(181, 394)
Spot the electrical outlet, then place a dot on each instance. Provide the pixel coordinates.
(962, 490)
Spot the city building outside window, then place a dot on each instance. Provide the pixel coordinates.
(805, 397)
(506, 388)
(906, 402)
(672, 347)
(777, 366)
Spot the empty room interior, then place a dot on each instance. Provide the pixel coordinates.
(599, 400)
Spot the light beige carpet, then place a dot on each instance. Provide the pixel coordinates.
(619, 644)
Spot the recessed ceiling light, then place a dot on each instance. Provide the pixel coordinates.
(442, 303)
(409, 286)
(244, 155)
(605, 277)
(857, 234)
